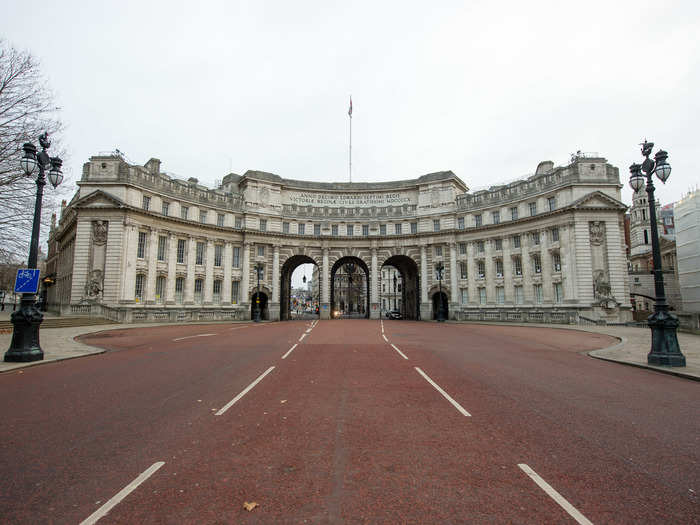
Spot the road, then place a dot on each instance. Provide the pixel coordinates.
(350, 421)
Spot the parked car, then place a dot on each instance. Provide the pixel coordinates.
(394, 314)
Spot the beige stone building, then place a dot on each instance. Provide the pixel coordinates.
(135, 244)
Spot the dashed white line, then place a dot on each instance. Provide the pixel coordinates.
(109, 505)
(568, 507)
(191, 336)
(385, 338)
(238, 327)
(309, 330)
(399, 351)
(289, 351)
(244, 392)
(302, 337)
(445, 394)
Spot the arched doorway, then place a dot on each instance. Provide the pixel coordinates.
(259, 299)
(350, 288)
(440, 297)
(311, 284)
(401, 292)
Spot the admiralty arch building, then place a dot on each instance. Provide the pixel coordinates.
(135, 244)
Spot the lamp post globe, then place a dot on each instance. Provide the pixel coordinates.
(25, 344)
(663, 324)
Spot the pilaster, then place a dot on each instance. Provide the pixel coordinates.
(172, 272)
(209, 273)
(189, 281)
(228, 263)
(151, 272)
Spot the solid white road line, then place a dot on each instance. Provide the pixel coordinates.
(309, 330)
(399, 351)
(289, 351)
(385, 338)
(191, 336)
(109, 505)
(244, 392)
(445, 394)
(568, 507)
(238, 327)
(302, 337)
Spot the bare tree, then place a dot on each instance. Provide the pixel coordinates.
(27, 109)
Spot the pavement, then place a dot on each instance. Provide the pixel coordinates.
(634, 344)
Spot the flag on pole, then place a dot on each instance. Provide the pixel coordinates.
(350, 110)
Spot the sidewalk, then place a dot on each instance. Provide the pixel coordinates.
(59, 344)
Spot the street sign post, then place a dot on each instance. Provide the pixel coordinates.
(27, 281)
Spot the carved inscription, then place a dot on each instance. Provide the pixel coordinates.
(348, 199)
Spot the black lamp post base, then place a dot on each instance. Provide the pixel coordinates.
(664, 342)
(256, 315)
(25, 334)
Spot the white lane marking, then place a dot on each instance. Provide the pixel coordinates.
(244, 392)
(568, 507)
(302, 337)
(289, 351)
(385, 338)
(109, 505)
(238, 327)
(309, 330)
(399, 351)
(191, 336)
(445, 394)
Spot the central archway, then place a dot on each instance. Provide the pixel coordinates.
(406, 296)
(350, 288)
(286, 284)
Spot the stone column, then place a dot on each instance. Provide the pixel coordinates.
(274, 306)
(508, 272)
(471, 275)
(490, 272)
(172, 273)
(226, 285)
(374, 312)
(209, 274)
(132, 238)
(325, 287)
(546, 257)
(425, 306)
(152, 265)
(528, 292)
(189, 280)
(454, 283)
(567, 275)
(245, 277)
(81, 261)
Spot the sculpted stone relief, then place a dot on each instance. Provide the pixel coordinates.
(602, 291)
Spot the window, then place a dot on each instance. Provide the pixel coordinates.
(552, 203)
(513, 213)
(481, 269)
(285, 227)
(480, 246)
(181, 243)
(537, 262)
(236, 256)
(179, 289)
(263, 225)
(482, 295)
(556, 262)
(463, 270)
(261, 251)
(644, 215)
(160, 289)
(438, 251)
(218, 251)
(414, 227)
(462, 248)
(498, 244)
(382, 229)
(141, 247)
(535, 238)
(202, 216)
(301, 229)
(217, 292)
(350, 230)
(477, 220)
(162, 243)
(220, 219)
(334, 230)
(464, 295)
(500, 295)
(184, 211)
(198, 286)
(238, 223)
(146, 202)
(397, 229)
(499, 267)
(555, 234)
(496, 215)
(537, 288)
(646, 237)
(234, 291)
(518, 294)
(199, 254)
(517, 265)
(516, 241)
(436, 225)
(558, 293)
(533, 208)
(165, 207)
(317, 230)
(460, 223)
(365, 230)
(138, 288)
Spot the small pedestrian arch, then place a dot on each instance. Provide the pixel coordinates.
(350, 288)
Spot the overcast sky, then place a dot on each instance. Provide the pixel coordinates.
(485, 89)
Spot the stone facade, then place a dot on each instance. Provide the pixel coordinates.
(136, 244)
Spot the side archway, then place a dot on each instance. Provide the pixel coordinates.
(410, 285)
(286, 272)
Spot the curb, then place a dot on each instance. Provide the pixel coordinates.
(669, 371)
(22, 366)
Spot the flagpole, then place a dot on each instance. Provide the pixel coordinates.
(350, 163)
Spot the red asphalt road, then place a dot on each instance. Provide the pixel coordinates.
(345, 429)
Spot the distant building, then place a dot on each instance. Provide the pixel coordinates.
(687, 223)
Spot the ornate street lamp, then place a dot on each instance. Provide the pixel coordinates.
(439, 269)
(25, 321)
(663, 324)
(256, 311)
